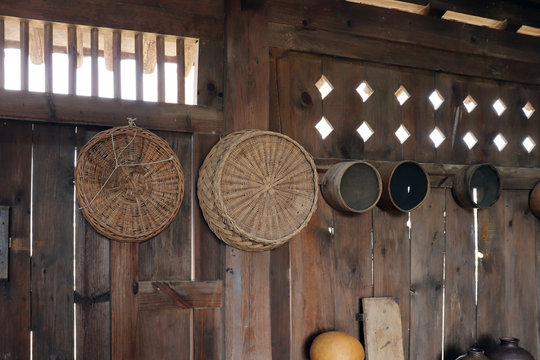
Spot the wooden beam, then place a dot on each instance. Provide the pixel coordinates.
(397, 26)
(173, 294)
(441, 175)
(47, 56)
(2, 45)
(160, 62)
(94, 54)
(72, 59)
(196, 18)
(139, 65)
(24, 44)
(180, 71)
(4, 242)
(68, 109)
(401, 54)
(117, 69)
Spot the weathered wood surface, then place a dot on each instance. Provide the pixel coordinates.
(427, 256)
(4, 242)
(68, 109)
(195, 18)
(92, 281)
(460, 305)
(507, 276)
(392, 263)
(537, 263)
(15, 161)
(210, 75)
(382, 328)
(52, 260)
(194, 294)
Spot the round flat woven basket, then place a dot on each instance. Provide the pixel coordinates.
(257, 189)
(129, 183)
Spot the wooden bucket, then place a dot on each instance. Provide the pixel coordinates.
(405, 186)
(352, 186)
(482, 177)
(534, 200)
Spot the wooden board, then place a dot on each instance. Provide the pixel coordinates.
(15, 161)
(382, 328)
(92, 281)
(537, 263)
(506, 272)
(210, 74)
(427, 253)
(460, 306)
(392, 263)
(52, 260)
(4, 242)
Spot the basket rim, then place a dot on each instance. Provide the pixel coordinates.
(242, 136)
(86, 208)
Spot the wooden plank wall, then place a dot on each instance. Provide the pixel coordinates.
(373, 254)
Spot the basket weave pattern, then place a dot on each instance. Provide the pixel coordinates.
(137, 199)
(257, 189)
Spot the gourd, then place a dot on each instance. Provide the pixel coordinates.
(336, 345)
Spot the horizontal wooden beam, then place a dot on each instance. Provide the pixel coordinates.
(392, 25)
(441, 175)
(299, 38)
(194, 18)
(153, 295)
(80, 110)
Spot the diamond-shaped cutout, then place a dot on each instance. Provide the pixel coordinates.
(365, 131)
(470, 140)
(528, 110)
(324, 86)
(436, 99)
(364, 90)
(437, 137)
(499, 107)
(469, 104)
(402, 95)
(402, 134)
(324, 127)
(500, 141)
(529, 144)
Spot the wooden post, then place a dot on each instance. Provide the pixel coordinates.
(139, 65)
(160, 55)
(47, 55)
(181, 71)
(117, 55)
(2, 45)
(72, 59)
(94, 53)
(24, 38)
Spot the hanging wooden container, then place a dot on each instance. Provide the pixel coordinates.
(534, 200)
(257, 189)
(352, 186)
(483, 179)
(405, 186)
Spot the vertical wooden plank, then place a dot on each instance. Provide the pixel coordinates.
(94, 53)
(117, 57)
(507, 272)
(92, 282)
(4, 242)
(532, 125)
(168, 257)
(211, 74)
(52, 260)
(312, 276)
(427, 247)
(180, 71)
(2, 45)
(139, 66)
(208, 256)
(392, 263)
(160, 61)
(537, 246)
(280, 302)
(72, 59)
(25, 44)
(47, 55)
(15, 177)
(124, 276)
(460, 305)
(512, 125)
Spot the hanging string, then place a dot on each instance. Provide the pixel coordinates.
(131, 123)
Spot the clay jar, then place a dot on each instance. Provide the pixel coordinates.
(473, 353)
(508, 349)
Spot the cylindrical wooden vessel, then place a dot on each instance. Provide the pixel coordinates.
(405, 186)
(473, 353)
(534, 200)
(352, 186)
(509, 349)
(482, 177)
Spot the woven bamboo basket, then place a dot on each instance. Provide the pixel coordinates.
(257, 189)
(129, 183)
